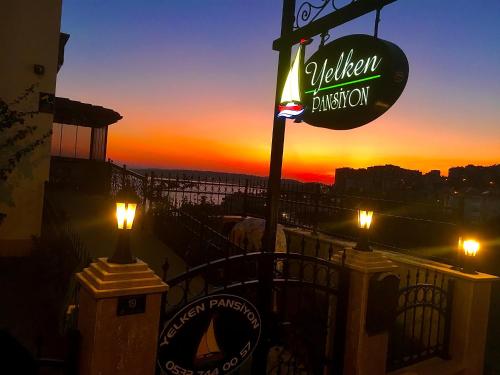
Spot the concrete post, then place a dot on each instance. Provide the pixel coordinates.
(119, 312)
(364, 354)
(469, 321)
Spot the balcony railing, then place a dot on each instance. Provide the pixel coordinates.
(397, 225)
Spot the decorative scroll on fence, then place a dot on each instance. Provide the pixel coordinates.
(422, 327)
(309, 295)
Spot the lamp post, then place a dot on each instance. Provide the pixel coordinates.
(468, 248)
(126, 206)
(364, 218)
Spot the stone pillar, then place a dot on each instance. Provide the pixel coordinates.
(364, 354)
(119, 312)
(469, 320)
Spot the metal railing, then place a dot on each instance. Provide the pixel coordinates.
(422, 326)
(58, 232)
(121, 177)
(397, 225)
(61, 243)
(196, 204)
(308, 292)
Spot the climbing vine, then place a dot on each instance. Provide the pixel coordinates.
(17, 140)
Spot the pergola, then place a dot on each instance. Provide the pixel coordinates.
(80, 130)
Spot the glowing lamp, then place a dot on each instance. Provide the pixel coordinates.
(125, 213)
(468, 248)
(365, 218)
(126, 207)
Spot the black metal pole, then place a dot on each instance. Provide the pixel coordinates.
(245, 199)
(122, 254)
(316, 197)
(274, 181)
(259, 363)
(377, 21)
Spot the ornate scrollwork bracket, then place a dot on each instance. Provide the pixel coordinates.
(308, 12)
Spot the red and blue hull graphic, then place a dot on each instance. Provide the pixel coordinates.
(290, 111)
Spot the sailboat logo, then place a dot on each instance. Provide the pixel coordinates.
(291, 103)
(208, 348)
(214, 334)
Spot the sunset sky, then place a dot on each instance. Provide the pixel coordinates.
(195, 83)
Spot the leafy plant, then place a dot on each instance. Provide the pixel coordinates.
(17, 140)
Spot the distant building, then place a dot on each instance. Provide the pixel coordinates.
(434, 176)
(474, 193)
(478, 177)
(378, 180)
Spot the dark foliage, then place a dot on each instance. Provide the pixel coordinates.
(16, 140)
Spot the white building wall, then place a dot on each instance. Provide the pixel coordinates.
(29, 35)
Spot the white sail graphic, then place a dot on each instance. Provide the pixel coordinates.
(290, 104)
(291, 92)
(208, 348)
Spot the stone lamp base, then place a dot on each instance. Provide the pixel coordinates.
(119, 313)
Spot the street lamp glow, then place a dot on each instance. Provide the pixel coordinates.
(126, 206)
(125, 213)
(120, 214)
(470, 247)
(467, 251)
(365, 219)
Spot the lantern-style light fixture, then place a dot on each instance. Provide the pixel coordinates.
(125, 214)
(126, 207)
(365, 218)
(468, 249)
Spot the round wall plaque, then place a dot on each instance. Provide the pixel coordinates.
(209, 336)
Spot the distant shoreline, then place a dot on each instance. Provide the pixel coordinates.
(230, 176)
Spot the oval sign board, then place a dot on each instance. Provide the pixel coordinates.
(352, 81)
(213, 335)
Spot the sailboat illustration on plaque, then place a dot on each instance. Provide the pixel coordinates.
(291, 103)
(208, 349)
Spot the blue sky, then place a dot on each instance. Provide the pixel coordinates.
(186, 73)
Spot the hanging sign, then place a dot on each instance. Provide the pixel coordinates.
(348, 82)
(213, 335)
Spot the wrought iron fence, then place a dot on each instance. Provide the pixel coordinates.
(422, 326)
(398, 225)
(188, 209)
(121, 177)
(312, 206)
(68, 255)
(58, 232)
(309, 293)
(193, 239)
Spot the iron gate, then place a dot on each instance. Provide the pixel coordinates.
(301, 299)
(422, 326)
